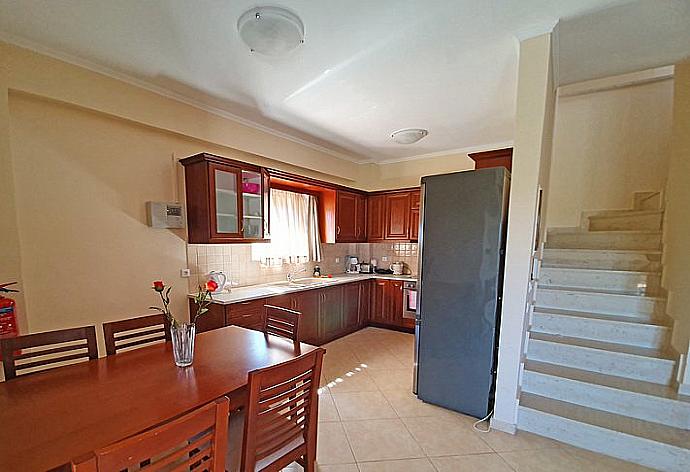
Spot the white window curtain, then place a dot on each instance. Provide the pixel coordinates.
(294, 230)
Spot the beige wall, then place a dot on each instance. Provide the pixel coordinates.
(10, 255)
(532, 152)
(608, 145)
(676, 277)
(408, 173)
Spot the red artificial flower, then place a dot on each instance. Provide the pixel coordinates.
(158, 286)
(211, 286)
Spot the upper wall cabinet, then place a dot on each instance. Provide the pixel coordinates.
(496, 158)
(393, 216)
(227, 201)
(375, 218)
(351, 217)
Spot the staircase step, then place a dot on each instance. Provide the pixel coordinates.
(621, 281)
(642, 442)
(634, 306)
(641, 400)
(625, 220)
(648, 365)
(602, 259)
(614, 329)
(610, 240)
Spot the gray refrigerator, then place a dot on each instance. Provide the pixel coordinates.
(461, 256)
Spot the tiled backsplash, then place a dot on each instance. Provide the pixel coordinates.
(235, 260)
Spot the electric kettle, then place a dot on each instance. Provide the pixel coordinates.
(397, 268)
(218, 277)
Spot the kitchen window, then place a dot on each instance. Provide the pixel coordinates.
(294, 230)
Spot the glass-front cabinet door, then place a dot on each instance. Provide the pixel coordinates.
(225, 199)
(252, 205)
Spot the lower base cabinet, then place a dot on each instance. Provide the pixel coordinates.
(331, 321)
(387, 303)
(327, 313)
(214, 318)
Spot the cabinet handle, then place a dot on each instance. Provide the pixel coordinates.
(246, 316)
(337, 231)
(245, 303)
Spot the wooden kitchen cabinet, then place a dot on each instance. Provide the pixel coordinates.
(307, 303)
(364, 303)
(378, 301)
(387, 302)
(397, 224)
(393, 216)
(375, 218)
(249, 314)
(394, 299)
(330, 313)
(361, 219)
(214, 318)
(351, 214)
(351, 306)
(414, 225)
(227, 200)
(415, 197)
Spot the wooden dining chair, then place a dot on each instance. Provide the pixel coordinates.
(197, 441)
(132, 332)
(281, 417)
(282, 322)
(22, 355)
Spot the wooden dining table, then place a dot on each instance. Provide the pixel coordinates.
(51, 417)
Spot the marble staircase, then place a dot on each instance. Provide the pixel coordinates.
(599, 372)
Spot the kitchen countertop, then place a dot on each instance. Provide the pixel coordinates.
(253, 292)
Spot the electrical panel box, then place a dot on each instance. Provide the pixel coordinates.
(165, 215)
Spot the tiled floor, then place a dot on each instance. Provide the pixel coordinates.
(369, 421)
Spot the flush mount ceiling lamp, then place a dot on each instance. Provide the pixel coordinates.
(271, 31)
(409, 135)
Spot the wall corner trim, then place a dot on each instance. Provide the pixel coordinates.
(504, 426)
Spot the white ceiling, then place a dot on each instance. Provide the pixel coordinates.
(622, 39)
(367, 68)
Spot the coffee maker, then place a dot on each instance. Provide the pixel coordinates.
(351, 265)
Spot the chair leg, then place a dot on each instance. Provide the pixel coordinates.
(309, 459)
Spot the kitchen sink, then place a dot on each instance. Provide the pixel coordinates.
(303, 282)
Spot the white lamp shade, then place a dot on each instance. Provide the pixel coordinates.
(271, 31)
(409, 135)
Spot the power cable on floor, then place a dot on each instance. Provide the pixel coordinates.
(487, 417)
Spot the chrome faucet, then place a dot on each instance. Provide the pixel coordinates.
(291, 275)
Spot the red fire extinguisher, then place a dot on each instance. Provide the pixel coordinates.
(8, 313)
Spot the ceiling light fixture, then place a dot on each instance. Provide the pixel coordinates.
(409, 135)
(272, 31)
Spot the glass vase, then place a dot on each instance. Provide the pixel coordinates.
(183, 343)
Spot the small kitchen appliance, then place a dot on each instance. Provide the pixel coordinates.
(219, 278)
(366, 268)
(352, 266)
(397, 268)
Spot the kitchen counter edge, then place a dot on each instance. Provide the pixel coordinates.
(255, 292)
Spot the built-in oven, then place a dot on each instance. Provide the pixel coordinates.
(410, 299)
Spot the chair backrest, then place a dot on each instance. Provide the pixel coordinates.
(282, 322)
(197, 440)
(32, 352)
(131, 332)
(282, 409)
